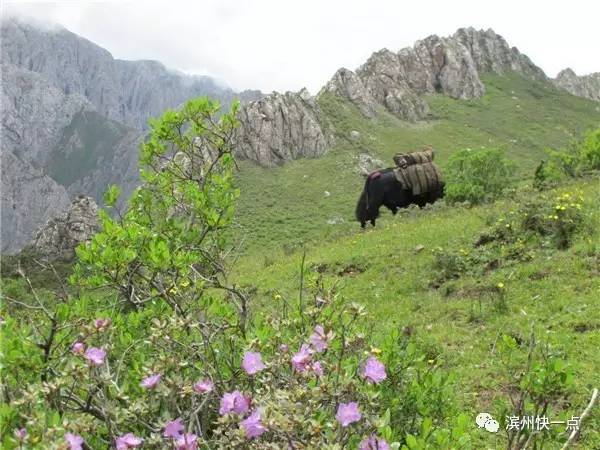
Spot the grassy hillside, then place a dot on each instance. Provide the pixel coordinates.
(460, 318)
(287, 206)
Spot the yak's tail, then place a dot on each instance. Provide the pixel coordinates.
(363, 202)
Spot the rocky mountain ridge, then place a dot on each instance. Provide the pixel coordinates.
(274, 131)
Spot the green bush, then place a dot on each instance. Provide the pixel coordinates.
(579, 159)
(476, 176)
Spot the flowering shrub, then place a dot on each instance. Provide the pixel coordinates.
(153, 349)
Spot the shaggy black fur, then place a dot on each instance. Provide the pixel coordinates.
(382, 188)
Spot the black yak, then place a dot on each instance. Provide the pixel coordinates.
(383, 188)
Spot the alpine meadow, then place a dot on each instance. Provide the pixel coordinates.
(183, 268)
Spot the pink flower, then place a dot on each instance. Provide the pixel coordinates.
(319, 339)
(151, 381)
(348, 413)
(317, 368)
(187, 441)
(78, 348)
(173, 429)
(374, 370)
(301, 360)
(74, 441)
(101, 324)
(95, 356)
(21, 434)
(252, 426)
(203, 386)
(283, 348)
(234, 402)
(374, 443)
(128, 441)
(252, 363)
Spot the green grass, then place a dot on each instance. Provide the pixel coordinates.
(288, 206)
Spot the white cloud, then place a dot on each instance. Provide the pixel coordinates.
(283, 45)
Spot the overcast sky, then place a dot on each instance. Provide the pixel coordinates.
(284, 45)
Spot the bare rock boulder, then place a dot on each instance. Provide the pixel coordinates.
(59, 237)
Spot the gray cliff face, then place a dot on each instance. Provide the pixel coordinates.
(125, 91)
(587, 86)
(451, 66)
(282, 127)
(29, 197)
(59, 236)
(34, 113)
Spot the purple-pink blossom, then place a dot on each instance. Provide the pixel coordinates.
(74, 441)
(203, 386)
(252, 363)
(187, 441)
(95, 356)
(173, 429)
(128, 441)
(283, 348)
(348, 413)
(374, 443)
(78, 348)
(317, 368)
(301, 360)
(235, 402)
(253, 427)
(150, 382)
(21, 434)
(320, 340)
(374, 370)
(101, 324)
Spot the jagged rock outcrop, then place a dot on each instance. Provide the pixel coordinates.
(491, 53)
(59, 237)
(450, 66)
(347, 84)
(282, 127)
(587, 86)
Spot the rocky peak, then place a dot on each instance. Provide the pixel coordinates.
(491, 53)
(587, 86)
(59, 237)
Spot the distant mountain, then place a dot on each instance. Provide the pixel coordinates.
(73, 118)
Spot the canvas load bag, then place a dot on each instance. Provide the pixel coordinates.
(417, 171)
(408, 159)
